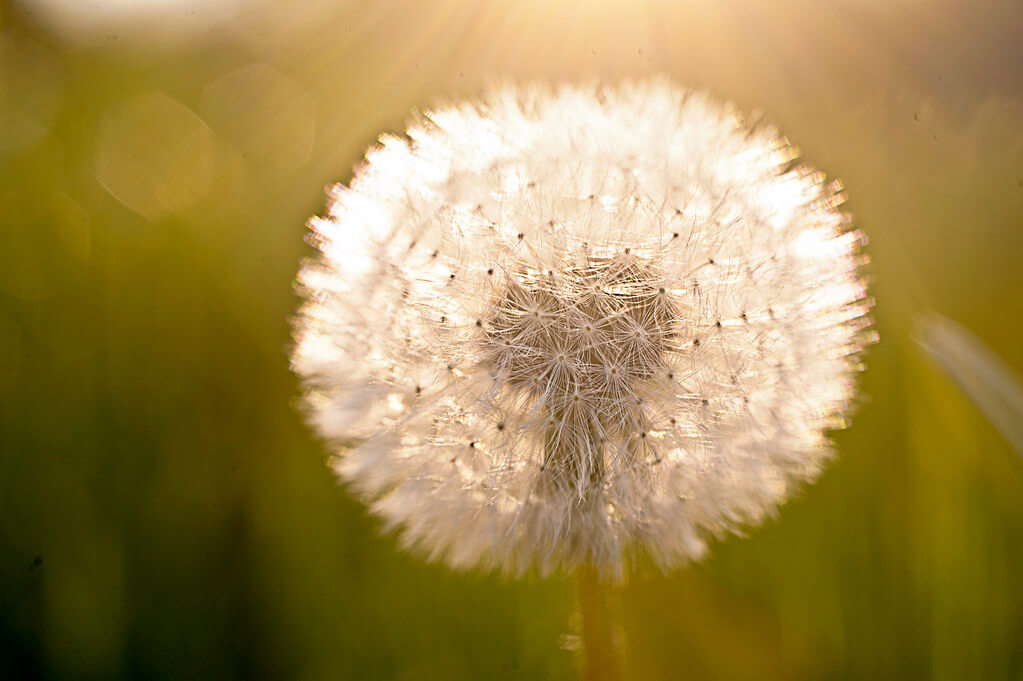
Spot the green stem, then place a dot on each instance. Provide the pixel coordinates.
(601, 658)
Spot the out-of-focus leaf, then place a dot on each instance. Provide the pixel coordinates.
(981, 374)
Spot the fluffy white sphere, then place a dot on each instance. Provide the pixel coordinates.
(552, 326)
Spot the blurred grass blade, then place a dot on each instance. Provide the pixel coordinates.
(981, 374)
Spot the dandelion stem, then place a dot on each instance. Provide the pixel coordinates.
(601, 657)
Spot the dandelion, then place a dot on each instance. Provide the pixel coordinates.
(556, 328)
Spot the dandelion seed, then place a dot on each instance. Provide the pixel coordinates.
(657, 317)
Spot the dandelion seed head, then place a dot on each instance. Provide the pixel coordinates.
(550, 327)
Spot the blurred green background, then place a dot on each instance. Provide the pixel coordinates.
(164, 512)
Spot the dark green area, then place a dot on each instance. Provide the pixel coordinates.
(164, 513)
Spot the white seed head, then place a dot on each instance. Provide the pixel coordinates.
(551, 327)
